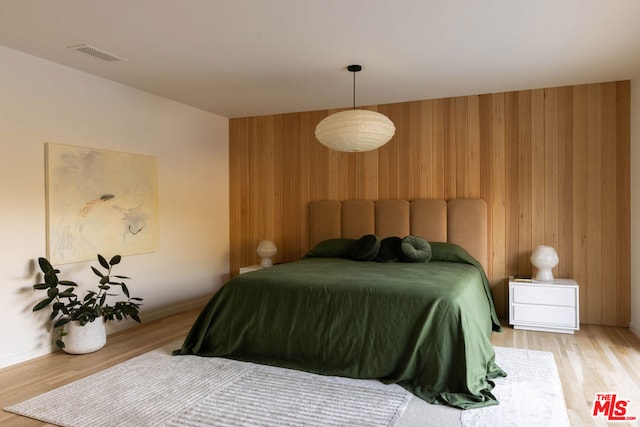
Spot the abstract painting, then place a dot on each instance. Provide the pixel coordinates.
(99, 202)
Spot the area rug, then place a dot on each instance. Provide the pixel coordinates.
(531, 394)
(157, 389)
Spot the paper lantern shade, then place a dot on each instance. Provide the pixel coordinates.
(355, 130)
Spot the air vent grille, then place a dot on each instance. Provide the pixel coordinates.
(96, 53)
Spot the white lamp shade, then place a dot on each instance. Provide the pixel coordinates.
(266, 250)
(355, 130)
(544, 258)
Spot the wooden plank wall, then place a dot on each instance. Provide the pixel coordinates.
(553, 165)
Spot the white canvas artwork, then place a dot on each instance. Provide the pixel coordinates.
(99, 202)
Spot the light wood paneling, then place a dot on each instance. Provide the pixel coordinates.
(552, 164)
(623, 191)
(580, 195)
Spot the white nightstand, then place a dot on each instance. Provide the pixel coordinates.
(250, 268)
(544, 306)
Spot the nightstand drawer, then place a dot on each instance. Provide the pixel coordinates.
(549, 295)
(545, 306)
(557, 316)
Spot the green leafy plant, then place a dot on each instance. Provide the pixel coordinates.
(67, 306)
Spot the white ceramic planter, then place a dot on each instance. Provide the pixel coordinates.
(84, 339)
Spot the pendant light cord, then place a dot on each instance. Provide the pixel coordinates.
(354, 69)
(354, 90)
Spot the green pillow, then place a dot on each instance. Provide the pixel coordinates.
(390, 250)
(450, 252)
(334, 248)
(366, 248)
(415, 249)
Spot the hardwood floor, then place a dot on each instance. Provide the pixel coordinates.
(28, 379)
(595, 359)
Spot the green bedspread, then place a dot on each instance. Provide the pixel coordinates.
(424, 326)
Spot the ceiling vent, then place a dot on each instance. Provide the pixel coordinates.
(96, 53)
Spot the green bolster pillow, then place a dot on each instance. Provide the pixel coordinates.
(415, 249)
(366, 248)
(390, 250)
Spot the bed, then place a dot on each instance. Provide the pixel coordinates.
(423, 325)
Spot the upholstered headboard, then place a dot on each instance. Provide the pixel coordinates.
(460, 221)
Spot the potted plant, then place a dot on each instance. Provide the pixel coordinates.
(83, 318)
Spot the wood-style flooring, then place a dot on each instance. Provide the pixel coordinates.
(595, 359)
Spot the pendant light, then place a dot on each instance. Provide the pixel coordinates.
(355, 130)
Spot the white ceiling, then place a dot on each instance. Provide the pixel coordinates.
(241, 58)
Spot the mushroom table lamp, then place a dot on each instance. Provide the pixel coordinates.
(544, 258)
(266, 249)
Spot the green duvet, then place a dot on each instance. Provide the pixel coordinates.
(425, 326)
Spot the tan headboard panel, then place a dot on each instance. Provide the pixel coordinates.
(392, 218)
(467, 226)
(357, 218)
(324, 221)
(460, 221)
(429, 219)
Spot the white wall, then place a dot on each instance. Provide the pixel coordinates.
(45, 102)
(635, 205)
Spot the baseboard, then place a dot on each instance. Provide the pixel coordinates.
(159, 313)
(635, 328)
(112, 327)
(25, 357)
